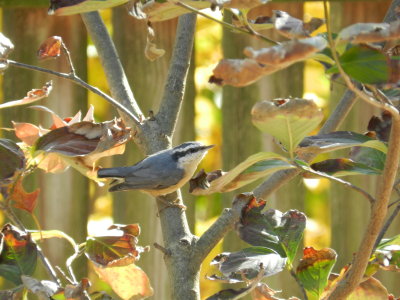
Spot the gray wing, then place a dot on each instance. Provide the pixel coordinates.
(153, 175)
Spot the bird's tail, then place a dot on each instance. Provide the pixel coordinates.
(119, 172)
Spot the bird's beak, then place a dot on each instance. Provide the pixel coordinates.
(209, 147)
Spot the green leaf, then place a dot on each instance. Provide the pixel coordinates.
(314, 269)
(338, 140)
(388, 242)
(67, 7)
(370, 157)
(12, 159)
(365, 65)
(344, 167)
(254, 167)
(288, 120)
(18, 254)
(249, 262)
(272, 229)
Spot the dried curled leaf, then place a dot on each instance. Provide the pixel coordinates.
(239, 72)
(32, 96)
(51, 48)
(291, 27)
(370, 32)
(287, 53)
(151, 51)
(242, 72)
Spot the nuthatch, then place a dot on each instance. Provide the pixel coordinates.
(160, 173)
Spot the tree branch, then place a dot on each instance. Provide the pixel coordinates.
(221, 226)
(116, 78)
(175, 84)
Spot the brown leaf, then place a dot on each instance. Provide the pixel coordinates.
(32, 96)
(381, 126)
(51, 48)
(22, 199)
(28, 133)
(202, 179)
(238, 72)
(242, 72)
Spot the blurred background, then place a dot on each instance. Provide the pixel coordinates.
(212, 114)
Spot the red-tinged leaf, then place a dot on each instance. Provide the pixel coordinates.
(32, 96)
(118, 249)
(18, 254)
(133, 229)
(6, 47)
(12, 160)
(83, 138)
(314, 269)
(128, 282)
(23, 200)
(51, 48)
(28, 133)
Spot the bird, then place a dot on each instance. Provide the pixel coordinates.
(159, 174)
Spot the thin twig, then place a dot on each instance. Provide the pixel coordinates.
(385, 227)
(77, 81)
(230, 26)
(341, 181)
(70, 63)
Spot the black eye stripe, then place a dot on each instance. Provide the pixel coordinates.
(181, 153)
